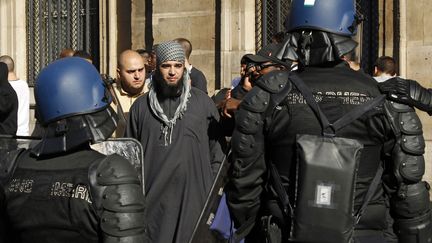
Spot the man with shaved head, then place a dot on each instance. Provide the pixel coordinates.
(130, 82)
(66, 53)
(130, 74)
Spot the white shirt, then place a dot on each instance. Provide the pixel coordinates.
(383, 77)
(23, 93)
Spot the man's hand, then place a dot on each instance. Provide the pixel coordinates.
(396, 88)
(229, 106)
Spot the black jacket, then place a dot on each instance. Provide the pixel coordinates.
(8, 104)
(261, 138)
(198, 80)
(68, 197)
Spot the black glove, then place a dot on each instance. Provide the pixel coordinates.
(408, 92)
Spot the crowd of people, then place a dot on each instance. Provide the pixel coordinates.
(318, 150)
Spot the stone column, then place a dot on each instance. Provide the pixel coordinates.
(13, 33)
(238, 36)
(108, 36)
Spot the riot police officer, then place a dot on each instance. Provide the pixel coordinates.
(274, 112)
(61, 190)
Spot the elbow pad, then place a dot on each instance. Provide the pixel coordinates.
(410, 204)
(422, 98)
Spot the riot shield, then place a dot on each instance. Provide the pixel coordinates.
(9, 142)
(203, 231)
(129, 148)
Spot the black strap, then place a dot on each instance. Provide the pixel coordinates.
(277, 98)
(341, 122)
(357, 112)
(307, 94)
(372, 187)
(280, 190)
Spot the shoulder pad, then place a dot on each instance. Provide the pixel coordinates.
(122, 226)
(115, 170)
(123, 213)
(256, 100)
(398, 107)
(248, 122)
(120, 198)
(273, 82)
(118, 195)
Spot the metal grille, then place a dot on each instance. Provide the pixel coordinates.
(53, 25)
(370, 35)
(270, 18)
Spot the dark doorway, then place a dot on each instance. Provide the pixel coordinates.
(269, 19)
(370, 35)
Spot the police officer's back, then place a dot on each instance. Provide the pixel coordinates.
(61, 190)
(319, 36)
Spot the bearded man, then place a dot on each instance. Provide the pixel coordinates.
(178, 127)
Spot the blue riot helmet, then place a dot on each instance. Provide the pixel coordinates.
(333, 16)
(73, 105)
(69, 87)
(320, 31)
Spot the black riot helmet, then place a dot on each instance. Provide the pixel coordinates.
(73, 105)
(320, 31)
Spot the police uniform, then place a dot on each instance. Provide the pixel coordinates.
(61, 190)
(82, 196)
(267, 126)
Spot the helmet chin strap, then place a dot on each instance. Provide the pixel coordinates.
(75, 132)
(61, 137)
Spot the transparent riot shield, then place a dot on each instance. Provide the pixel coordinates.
(9, 142)
(129, 148)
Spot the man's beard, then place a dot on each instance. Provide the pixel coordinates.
(164, 89)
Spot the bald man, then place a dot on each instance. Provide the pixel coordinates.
(130, 82)
(66, 53)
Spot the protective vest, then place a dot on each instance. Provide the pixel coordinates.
(81, 195)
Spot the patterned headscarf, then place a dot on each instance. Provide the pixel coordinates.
(169, 51)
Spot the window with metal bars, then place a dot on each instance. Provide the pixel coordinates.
(53, 25)
(269, 18)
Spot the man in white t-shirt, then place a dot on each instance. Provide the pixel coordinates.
(22, 90)
(384, 69)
